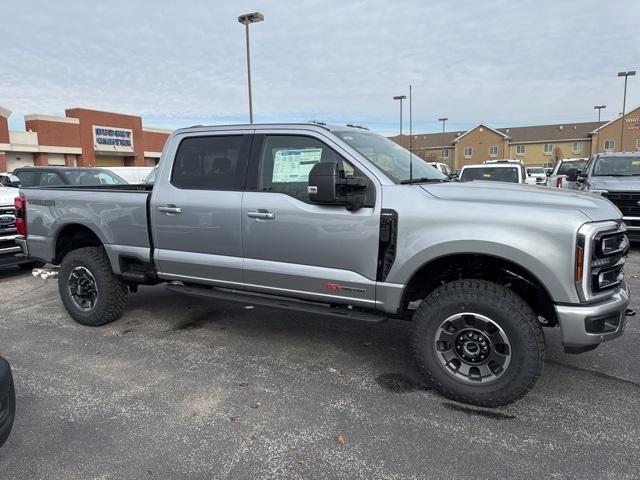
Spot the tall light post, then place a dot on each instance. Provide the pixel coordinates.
(626, 75)
(443, 120)
(401, 98)
(599, 108)
(247, 19)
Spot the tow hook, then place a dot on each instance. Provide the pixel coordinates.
(45, 273)
(630, 313)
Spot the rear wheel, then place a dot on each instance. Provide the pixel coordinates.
(90, 292)
(478, 342)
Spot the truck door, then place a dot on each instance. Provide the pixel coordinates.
(195, 208)
(293, 247)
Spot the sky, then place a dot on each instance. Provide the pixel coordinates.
(180, 63)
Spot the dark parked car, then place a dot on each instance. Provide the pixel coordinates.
(57, 176)
(7, 401)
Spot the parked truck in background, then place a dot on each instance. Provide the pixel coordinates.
(615, 176)
(10, 252)
(340, 221)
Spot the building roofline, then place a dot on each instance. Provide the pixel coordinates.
(477, 126)
(157, 130)
(616, 119)
(50, 118)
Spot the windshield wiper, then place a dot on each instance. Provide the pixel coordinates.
(421, 180)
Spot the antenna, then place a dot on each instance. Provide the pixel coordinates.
(410, 139)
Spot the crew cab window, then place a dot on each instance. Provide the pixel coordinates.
(27, 179)
(286, 160)
(50, 179)
(211, 163)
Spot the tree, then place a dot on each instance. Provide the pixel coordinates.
(557, 154)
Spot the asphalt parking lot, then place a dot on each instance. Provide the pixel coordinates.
(188, 388)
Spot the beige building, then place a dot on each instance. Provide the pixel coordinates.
(538, 145)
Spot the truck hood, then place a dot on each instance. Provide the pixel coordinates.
(7, 195)
(593, 206)
(615, 184)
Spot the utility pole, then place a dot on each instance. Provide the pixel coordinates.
(626, 75)
(443, 120)
(599, 108)
(246, 20)
(401, 98)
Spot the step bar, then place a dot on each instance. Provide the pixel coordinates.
(271, 301)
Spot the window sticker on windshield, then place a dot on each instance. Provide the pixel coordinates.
(294, 165)
(636, 162)
(486, 175)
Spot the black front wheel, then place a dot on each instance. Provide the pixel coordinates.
(90, 292)
(478, 342)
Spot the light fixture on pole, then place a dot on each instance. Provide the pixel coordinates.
(247, 19)
(599, 108)
(443, 120)
(401, 98)
(630, 73)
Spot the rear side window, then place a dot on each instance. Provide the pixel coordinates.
(50, 179)
(501, 174)
(211, 163)
(27, 179)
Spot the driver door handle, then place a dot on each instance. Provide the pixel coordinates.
(261, 214)
(170, 209)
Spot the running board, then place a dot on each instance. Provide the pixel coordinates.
(271, 301)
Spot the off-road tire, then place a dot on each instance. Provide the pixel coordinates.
(506, 309)
(112, 291)
(9, 397)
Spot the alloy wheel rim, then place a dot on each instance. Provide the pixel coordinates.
(472, 348)
(83, 289)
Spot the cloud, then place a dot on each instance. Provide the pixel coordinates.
(176, 63)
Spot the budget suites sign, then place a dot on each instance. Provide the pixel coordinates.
(110, 139)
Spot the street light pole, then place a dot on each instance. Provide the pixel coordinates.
(401, 98)
(443, 120)
(630, 73)
(599, 108)
(247, 19)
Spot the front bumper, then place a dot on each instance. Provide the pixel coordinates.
(587, 326)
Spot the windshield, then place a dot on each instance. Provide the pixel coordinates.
(617, 166)
(535, 171)
(566, 166)
(500, 174)
(93, 177)
(390, 157)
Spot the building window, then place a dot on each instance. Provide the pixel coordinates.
(548, 148)
(576, 147)
(519, 149)
(445, 153)
(637, 143)
(493, 151)
(468, 151)
(609, 145)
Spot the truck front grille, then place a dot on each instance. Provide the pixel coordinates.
(627, 202)
(8, 231)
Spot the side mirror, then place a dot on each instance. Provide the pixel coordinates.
(572, 175)
(547, 173)
(323, 179)
(327, 187)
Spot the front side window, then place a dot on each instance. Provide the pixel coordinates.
(548, 148)
(493, 151)
(211, 163)
(468, 151)
(519, 149)
(287, 160)
(564, 167)
(609, 145)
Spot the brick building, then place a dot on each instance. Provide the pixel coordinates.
(539, 145)
(81, 138)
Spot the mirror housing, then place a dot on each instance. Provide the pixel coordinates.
(327, 187)
(572, 175)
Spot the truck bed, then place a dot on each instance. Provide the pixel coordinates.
(116, 214)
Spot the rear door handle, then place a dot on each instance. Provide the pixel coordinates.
(170, 209)
(261, 214)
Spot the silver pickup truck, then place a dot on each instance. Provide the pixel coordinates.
(344, 222)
